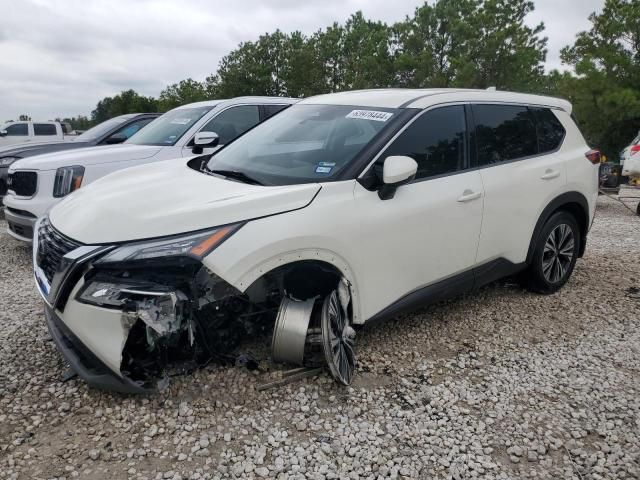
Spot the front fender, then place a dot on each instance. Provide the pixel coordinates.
(242, 280)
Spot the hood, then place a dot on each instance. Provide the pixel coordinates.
(167, 198)
(7, 150)
(23, 150)
(86, 156)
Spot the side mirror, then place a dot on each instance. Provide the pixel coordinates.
(3, 133)
(203, 140)
(397, 170)
(115, 139)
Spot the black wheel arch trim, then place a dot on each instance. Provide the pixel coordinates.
(564, 200)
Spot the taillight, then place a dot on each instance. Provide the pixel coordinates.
(635, 149)
(593, 156)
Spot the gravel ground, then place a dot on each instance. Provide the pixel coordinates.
(499, 384)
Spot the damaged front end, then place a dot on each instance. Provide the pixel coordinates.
(178, 316)
(171, 315)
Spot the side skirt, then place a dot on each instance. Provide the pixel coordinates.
(448, 288)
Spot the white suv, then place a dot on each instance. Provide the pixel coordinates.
(344, 209)
(37, 183)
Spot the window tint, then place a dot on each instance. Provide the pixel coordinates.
(271, 110)
(17, 129)
(503, 132)
(435, 140)
(133, 127)
(44, 129)
(550, 130)
(233, 122)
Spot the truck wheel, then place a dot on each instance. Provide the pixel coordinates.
(554, 256)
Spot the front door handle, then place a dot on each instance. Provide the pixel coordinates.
(469, 195)
(550, 174)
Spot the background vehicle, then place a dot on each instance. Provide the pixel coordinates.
(21, 132)
(110, 132)
(37, 183)
(342, 210)
(632, 149)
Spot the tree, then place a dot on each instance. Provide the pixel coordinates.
(186, 91)
(470, 43)
(24, 118)
(127, 101)
(606, 91)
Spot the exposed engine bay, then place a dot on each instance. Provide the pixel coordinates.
(182, 317)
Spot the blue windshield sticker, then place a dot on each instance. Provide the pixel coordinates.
(322, 169)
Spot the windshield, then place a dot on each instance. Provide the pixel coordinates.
(101, 129)
(167, 129)
(303, 144)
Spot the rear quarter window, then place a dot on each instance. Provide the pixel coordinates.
(549, 129)
(504, 133)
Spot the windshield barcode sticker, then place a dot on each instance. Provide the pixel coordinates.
(370, 115)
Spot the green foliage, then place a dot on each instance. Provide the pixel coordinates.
(127, 101)
(186, 91)
(606, 91)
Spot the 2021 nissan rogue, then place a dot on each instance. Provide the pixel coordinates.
(342, 210)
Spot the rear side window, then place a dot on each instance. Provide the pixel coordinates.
(435, 141)
(271, 110)
(233, 122)
(503, 133)
(18, 130)
(550, 130)
(44, 129)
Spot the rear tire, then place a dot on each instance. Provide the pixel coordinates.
(555, 255)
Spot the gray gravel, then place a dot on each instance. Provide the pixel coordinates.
(500, 384)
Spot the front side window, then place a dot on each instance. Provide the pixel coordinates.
(503, 133)
(133, 127)
(102, 128)
(167, 129)
(435, 140)
(233, 122)
(550, 130)
(44, 129)
(18, 130)
(304, 143)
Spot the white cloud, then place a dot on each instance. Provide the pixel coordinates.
(60, 58)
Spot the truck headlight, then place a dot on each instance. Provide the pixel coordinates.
(68, 179)
(195, 245)
(6, 161)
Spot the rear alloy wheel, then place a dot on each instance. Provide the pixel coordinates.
(338, 338)
(558, 253)
(555, 254)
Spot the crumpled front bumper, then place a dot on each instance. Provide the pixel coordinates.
(89, 367)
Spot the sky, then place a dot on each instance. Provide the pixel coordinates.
(58, 59)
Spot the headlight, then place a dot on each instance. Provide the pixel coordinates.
(67, 180)
(195, 245)
(6, 161)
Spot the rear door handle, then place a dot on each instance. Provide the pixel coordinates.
(550, 174)
(469, 195)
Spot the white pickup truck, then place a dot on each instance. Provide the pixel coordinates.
(21, 132)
